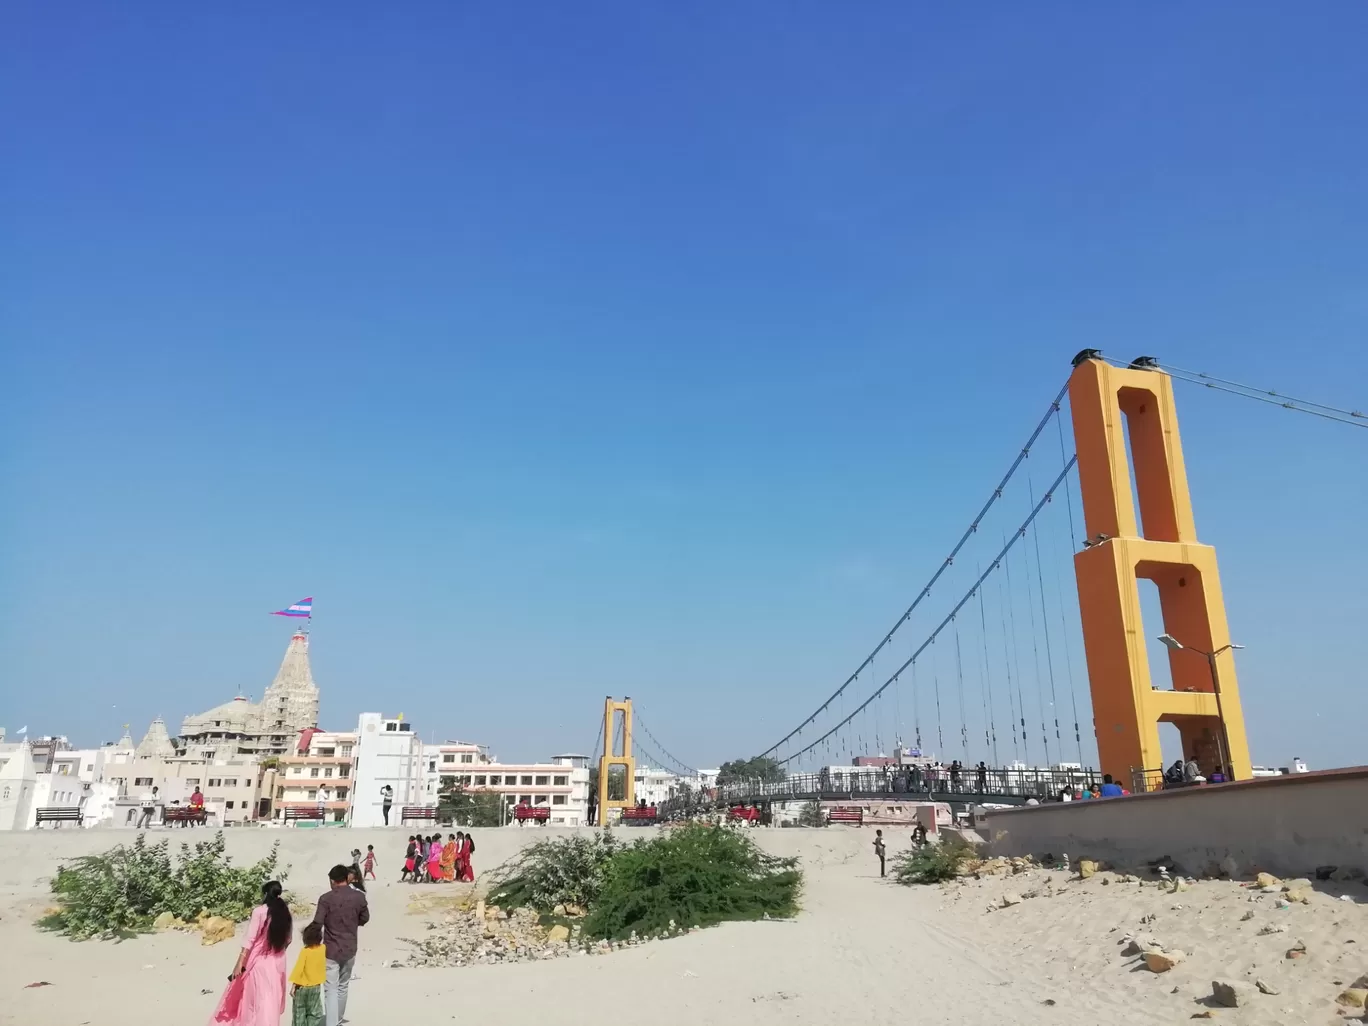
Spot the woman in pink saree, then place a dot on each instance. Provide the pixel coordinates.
(255, 995)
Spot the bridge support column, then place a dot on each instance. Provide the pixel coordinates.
(612, 758)
(1159, 545)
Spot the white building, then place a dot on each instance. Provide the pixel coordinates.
(388, 753)
(561, 784)
(318, 773)
(18, 787)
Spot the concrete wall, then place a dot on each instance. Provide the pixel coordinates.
(1286, 825)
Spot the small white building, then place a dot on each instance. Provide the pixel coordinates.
(388, 753)
(18, 789)
(318, 773)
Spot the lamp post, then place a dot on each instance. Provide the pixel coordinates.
(1222, 738)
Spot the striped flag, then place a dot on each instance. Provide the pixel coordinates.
(304, 607)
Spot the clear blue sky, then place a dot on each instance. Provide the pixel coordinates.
(575, 349)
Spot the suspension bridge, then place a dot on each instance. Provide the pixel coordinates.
(981, 688)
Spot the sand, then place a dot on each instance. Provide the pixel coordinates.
(863, 950)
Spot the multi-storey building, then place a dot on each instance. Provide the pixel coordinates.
(388, 755)
(562, 784)
(319, 773)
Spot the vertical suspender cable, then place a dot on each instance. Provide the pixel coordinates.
(1045, 623)
(935, 679)
(1035, 652)
(959, 676)
(988, 678)
(1016, 654)
(1007, 668)
(1073, 547)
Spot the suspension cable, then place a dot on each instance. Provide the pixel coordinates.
(1059, 590)
(1016, 657)
(1007, 667)
(1353, 418)
(1045, 623)
(997, 561)
(991, 726)
(935, 577)
(1035, 655)
(959, 677)
(679, 764)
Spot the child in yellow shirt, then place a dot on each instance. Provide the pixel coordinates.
(308, 975)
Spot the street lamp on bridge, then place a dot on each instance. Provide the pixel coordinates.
(1222, 741)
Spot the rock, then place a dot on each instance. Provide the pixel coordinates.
(1265, 987)
(1086, 868)
(1247, 916)
(1008, 900)
(1353, 997)
(1300, 883)
(1141, 943)
(558, 934)
(1231, 993)
(559, 910)
(1208, 1014)
(1179, 885)
(1297, 950)
(1267, 880)
(575, 911)
(165, 921)
(1162, 961)
(1297, 894)
(215, 929)
(1271, 889)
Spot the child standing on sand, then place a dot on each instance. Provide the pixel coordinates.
(310, 970)
(879, 849)
(369, 864)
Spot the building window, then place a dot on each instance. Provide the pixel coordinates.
(4, 796)
(230, 782)
(142, 781)
(448, 757)
(313, 771)
(524, 799)
(328, 771)
(228, 805)
(344, 771)
(495, 781)
(311, 794)
(215, 782)
(280, 794)
(527, 781)
(432, 765)
(391, 726)
(542, 781)
(326, 751)
(344, 750)
(192, 781)
(562, 781)
(479, 781)
(341, 794)
(541, 799)
(558, 799)
(468, 757)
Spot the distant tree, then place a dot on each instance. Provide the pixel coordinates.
(767, 771)
(467, 808)
(810, 815)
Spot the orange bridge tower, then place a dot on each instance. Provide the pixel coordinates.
(1159, 545)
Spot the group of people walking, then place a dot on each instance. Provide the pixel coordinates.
(428, 860)
(256, 991)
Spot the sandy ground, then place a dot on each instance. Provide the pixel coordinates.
(863, 950)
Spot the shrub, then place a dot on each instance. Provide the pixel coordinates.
(121, 891)
(693, 876)
(931, 863)
(564, 871)
(810, 815)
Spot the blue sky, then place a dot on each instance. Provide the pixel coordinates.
(578, 350)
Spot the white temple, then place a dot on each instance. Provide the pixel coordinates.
(269, 727)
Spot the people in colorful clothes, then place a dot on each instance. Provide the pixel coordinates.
(255, 995)
(310, 970)
(466, 843)
(434, 863)
(449, 858)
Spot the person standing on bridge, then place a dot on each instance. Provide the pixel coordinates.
(981, 777)
(880, 850)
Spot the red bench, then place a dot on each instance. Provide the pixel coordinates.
(295, 813)
(845, 815)
(639, 816)
(750, 815)
(185, 814)
(425, 812)
(536, 813)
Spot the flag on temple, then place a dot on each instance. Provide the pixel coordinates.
(304, 607)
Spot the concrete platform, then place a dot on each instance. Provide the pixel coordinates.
(1287, 825)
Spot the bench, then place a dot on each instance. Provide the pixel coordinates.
(297, 812)
(59, 814)
(422, 812)
(852, 816)
(639, 816)
(536, 813)
(741, 812)
(185, 814)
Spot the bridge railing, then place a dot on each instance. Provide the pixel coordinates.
(910, 782)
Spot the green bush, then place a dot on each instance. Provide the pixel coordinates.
(693, 876)
(121, 891)
(563, 871)
(931, 863)
(811, 815)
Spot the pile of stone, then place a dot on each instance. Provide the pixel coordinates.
(488, 936)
